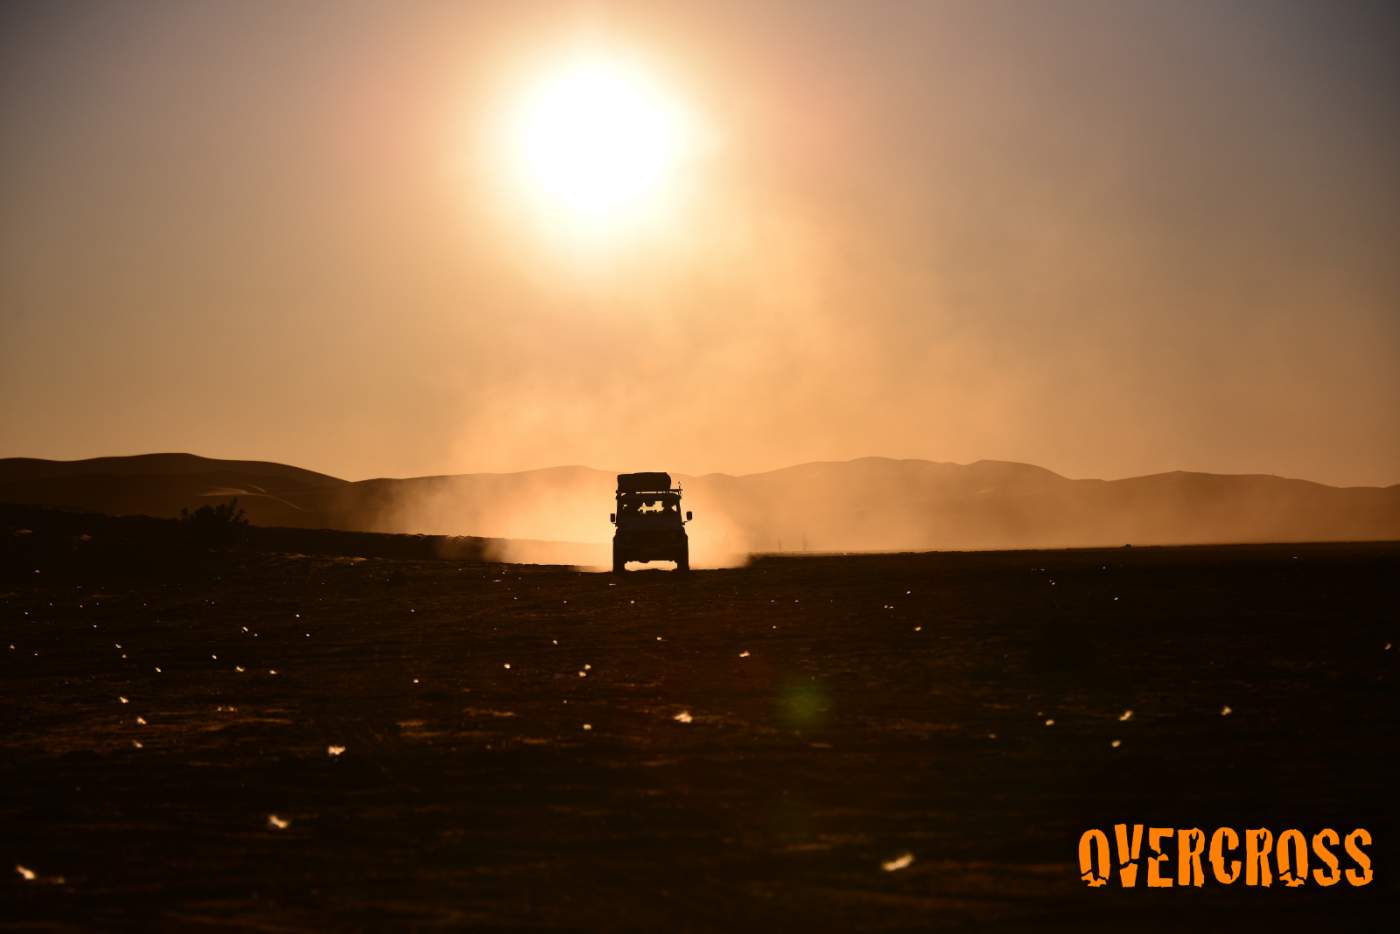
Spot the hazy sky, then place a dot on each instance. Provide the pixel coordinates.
(1108, 238)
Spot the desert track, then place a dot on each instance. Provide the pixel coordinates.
(513, 756)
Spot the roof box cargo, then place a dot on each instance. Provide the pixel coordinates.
(648, 482)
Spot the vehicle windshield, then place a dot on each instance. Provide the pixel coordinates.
(649, 508)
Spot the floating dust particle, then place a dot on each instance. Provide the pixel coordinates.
(683, 717)
(1126, 716)
(1226, 711)
(744, 654)
(1116, 743)
(902, 861)
(25, 872)
(334, 751)
(277, 823)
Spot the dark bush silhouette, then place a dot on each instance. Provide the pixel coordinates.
(215, 525)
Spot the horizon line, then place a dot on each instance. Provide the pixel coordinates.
(715, 473)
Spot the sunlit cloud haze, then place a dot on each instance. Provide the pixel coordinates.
(1107, 238)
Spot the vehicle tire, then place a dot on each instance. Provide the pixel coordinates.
(619, 563)
(683, 559)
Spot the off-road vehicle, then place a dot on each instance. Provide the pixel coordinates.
(649, 521)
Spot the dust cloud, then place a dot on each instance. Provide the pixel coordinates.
(876, 505)
(554, 516)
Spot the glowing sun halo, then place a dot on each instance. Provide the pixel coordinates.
(597, 144)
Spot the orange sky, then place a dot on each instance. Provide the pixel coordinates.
(1107, 238)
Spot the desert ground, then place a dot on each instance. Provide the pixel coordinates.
(266, 739)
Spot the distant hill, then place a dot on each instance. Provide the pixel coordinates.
(163, 484)
(141, 465)
(881, 504)
(870, 504)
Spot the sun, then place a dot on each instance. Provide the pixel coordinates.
(597, 145)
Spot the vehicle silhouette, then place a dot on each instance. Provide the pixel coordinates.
(650, 524)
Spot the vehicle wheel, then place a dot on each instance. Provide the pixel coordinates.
(683, 559)
(619, 564)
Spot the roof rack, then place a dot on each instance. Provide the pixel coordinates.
(645, 482)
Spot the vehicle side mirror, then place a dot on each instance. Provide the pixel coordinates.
(612, 517)
(689, 515)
